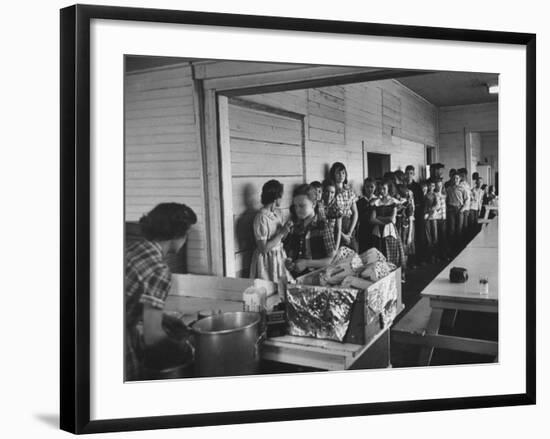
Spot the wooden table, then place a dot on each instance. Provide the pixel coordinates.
(193, 293)
(487, 237)
(422, 324)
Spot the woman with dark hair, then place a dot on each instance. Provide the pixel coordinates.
(268, 259)
(310, 243)
(148, 281)
(346, 199)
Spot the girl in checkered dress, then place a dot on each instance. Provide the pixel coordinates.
(383, 218)
(346, 199)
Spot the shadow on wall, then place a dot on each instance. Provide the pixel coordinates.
(244, 233)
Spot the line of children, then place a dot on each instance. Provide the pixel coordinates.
(410, 222)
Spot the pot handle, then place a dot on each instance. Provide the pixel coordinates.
(260, 340)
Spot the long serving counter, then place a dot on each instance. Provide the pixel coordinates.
(422, 323)
(192, 293)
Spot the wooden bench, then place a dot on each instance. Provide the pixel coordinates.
(413, 323)
(420, 326)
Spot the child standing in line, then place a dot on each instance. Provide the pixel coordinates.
(406, 222)
(319, 191)
(421, 254)
(441, 219)
(430, 221)
(346, 199)
(466, 226)
(456, 196)
(332, 211)
(364, 210)
(383, 219)
(476, 200)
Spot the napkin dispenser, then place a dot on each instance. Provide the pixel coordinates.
(458, 275)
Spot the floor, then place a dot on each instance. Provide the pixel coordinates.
(468, 324)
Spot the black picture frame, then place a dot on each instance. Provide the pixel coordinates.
(75, 217)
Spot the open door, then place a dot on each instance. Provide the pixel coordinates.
(378, 164)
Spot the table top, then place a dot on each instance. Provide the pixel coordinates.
(479, 261)
(487, 237)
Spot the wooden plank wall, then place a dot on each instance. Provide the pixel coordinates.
(384, 115)
(454, 124)
(162, 153)
(475, 144)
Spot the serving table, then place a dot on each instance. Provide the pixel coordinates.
(193, 293)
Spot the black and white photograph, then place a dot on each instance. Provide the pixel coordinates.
(275, 219)
(294, 218)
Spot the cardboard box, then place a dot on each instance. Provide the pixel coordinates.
(374, 308)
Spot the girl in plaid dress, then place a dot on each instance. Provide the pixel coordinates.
(346, 199)
(329, 209)
(383, 218)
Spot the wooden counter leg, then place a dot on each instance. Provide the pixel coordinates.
(434, 324)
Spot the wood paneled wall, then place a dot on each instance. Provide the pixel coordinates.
(383, 116)
(162, 154)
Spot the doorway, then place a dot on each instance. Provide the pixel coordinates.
(378, 164)
(260, 143)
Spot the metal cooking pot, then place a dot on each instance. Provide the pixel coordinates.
(227, 344)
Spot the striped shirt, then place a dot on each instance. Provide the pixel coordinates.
(441, 210)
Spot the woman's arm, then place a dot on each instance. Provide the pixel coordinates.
(265, 245)
(303, 264)
(393, 216)
(411, 226)
(354, 217)
(338, 234)
(383, 220)
(376, 220)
